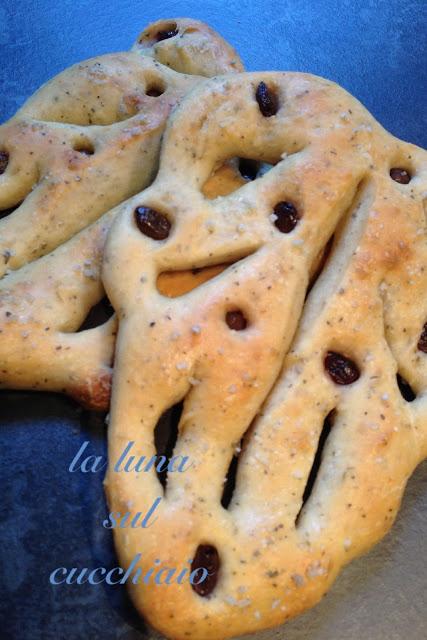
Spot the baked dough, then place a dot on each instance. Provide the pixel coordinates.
(105, 107)
(89, 138)
(43, 306)
(292, 383)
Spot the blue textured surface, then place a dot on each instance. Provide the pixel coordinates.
(376, 49)
(49, 517)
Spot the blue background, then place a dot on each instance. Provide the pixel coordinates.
(49, 517)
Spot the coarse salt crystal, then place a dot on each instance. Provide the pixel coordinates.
(297, 579)
(315, 570)
(244, 603)
(297, 474)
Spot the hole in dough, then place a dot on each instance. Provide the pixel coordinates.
(4, 161)
(326, 429)
(405, 388)
(6, 212)
(248, 168)
(166, 34)
(98, 315)
(165, 436)
(162, 31)
(232, 174)
(230, 483)
(231, 477)
(176, 283)
(320, 263)
(97, 92)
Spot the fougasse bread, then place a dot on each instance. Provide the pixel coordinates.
(318, 400)
(84, 142)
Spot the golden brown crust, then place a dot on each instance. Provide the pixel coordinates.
(100, 106)
(42, 306)
(89, 138)
(195, 49)
(369, 304)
